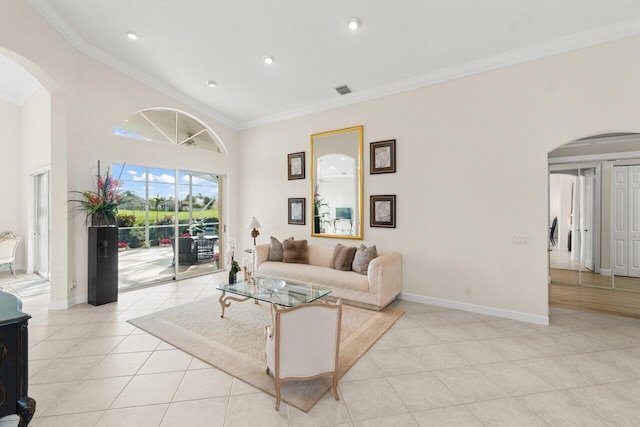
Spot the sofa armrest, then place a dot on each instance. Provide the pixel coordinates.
(261, 255)
(385, 277)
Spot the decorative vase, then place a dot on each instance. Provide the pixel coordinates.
(232, 278)
(316, 224)
(100, 220)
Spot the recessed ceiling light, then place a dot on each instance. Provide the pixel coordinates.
(269, 59)
(132, 35)
(354, 23)
(211, 83)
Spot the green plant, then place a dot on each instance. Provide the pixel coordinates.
(103, 202)
(126, 220)
(136, 238)
(235, 267)
(318, 202)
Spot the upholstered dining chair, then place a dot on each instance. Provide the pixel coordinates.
(304, 343)
(8, 245)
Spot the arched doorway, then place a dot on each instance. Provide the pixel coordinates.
(25, 150)
(594, 214)
(56, 125)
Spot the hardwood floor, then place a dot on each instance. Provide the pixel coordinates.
(572, 277)
(594, 299)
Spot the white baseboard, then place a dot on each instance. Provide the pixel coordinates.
(605, 271)
(63, 305)
(482, 309)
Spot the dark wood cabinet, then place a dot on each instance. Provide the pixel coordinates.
(14, 362)
(103, 265)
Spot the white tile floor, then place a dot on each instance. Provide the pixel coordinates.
(89, 367)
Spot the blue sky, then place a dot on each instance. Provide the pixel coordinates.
(162, 181)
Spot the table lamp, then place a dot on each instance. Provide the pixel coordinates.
(254, 224)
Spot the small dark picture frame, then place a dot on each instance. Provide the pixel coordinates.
(297, 210)
(295, 165)
(382, 157)
(383, 211)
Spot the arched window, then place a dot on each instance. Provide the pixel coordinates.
(170, 126)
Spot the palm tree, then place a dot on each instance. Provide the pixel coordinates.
(156, 201)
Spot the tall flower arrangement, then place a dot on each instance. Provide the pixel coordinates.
(102, 204)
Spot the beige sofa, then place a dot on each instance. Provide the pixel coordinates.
(379, 287)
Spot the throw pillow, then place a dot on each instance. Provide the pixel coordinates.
(343, 257)
(363, 257)
(275, 249)
(295, 251)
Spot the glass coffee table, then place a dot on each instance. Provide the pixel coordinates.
(291, 295)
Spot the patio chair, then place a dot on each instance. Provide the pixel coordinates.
(8, 246)
(187, 250)
(304, 343)
(210, 231)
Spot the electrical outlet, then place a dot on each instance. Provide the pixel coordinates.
(468, 291)
(519, 239)
(74, 284)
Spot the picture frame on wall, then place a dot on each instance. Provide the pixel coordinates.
(383, 211)
(297, 210)
(383, 157)
(295, 166)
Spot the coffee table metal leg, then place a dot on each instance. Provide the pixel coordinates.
(224, 301)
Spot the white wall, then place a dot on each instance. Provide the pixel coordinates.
(11, 204)
(36, 156)
(472, 170)
(88, 99)
(472, 160)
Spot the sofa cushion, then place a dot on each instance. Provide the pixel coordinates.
(275, 249)
(320, 255)
(343, 257)
(314, 275)
(363, 257)
(295, 252)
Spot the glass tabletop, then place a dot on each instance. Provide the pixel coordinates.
(291, 295)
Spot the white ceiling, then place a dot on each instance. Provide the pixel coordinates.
(400, 46)
(17, 85)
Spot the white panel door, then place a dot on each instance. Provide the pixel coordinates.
(587, 219)
(634, 221)
(620, 220)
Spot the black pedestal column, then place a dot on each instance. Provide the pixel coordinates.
(103, 265)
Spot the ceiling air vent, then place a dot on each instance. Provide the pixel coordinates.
(343, 90)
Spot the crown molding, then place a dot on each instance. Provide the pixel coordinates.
(538, 51)
(553, 47)
(60, 25)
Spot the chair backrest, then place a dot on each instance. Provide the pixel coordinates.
(307, 339)
(8, 245)
(210, 231)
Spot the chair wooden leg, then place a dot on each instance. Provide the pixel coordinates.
(13, 270)
(335, 386)
(268, 371)
(278, 396)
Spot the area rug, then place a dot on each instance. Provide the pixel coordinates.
(235, 343)
(31, 287)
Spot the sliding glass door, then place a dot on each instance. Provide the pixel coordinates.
(41, 224)
(198, 223)
(168, 229)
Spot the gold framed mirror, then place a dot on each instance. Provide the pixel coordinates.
(337, 200)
